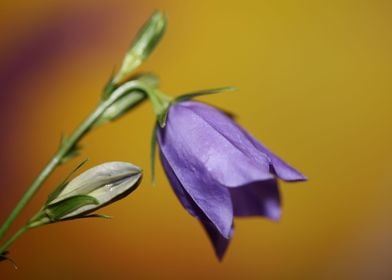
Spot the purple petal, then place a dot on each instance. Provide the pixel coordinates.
(181, 194)
(229, 128)
(243, 140)
(282, 169)
(212, 198)
(257, 199)
(219, 242)
(211, 140)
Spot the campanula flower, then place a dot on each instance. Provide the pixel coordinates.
(218, 170)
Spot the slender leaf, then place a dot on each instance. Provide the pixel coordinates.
(191, 95)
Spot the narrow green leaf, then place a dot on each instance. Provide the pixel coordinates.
(62, 140)
(64, 183)
(58, 210)
(191, 95)
(109, 88)
(153, 152)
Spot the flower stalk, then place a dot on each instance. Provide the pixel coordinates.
(121, 94)
(138, 88)
(66, 149)
(14, 237)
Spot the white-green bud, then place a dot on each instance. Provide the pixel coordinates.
(93, 189)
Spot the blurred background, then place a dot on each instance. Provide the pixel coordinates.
(314, 81)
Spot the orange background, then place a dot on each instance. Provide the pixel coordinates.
(314, 81)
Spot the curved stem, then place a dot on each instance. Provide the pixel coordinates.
(9, 242)
(34, 222)
(65, 148)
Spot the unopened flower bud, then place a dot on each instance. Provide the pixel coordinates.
(145, 42)
(93, 189)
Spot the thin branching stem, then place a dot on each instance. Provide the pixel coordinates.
(67, 146)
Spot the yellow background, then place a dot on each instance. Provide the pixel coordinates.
(314, 81)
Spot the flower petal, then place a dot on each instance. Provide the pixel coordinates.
(257, 199)
(211, 139)
(212, 198)
(282, 169)
(178, 189)
(219, 242)
(243, 140)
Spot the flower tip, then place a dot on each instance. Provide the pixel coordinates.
(273, 210)
(275, 216)
(159, 17)
(220, 248)
(304, 178)
(153, 181)
(298, 178)
(231, 88)
(145, 42)
(220, 257)
(139, 171)
(288, 173)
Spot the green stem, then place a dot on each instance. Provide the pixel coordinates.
(9, 242)
(67, 147)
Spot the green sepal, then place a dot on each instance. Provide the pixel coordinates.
(191, 95)
(153, 152)
(62, 140)
(109, 88)
(58, 210)
(162, 116)
(64, 183)
(102, 216)
(160, 104)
